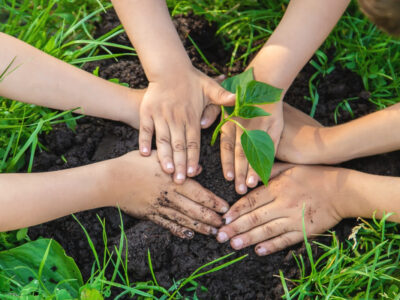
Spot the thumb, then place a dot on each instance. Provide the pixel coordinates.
(216, 94)
(210, 113)
(279, 168)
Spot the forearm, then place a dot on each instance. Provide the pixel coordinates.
(361, 195)
(30, 199)
(151, 31)
(373, 134)
(43, 80)
(303, 28)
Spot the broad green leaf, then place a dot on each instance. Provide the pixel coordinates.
(248, 112)
(91, 294)
(242, 80)
(58, 270)
(261, 93)
(259, 149)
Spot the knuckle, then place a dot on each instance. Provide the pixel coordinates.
(254, 219)
(285, 242)
(193, 145)
(163, 139)
(146, 129)
(227, 144)
(267, 231)
(251, 202)
(178, 146)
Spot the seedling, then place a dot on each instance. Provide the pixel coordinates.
(257, 144)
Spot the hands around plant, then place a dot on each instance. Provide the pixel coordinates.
(233, 159)
(175, 109)
(271, 217)
(153, 195)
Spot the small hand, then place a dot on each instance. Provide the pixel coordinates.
(153, 195)
(233, 159)
(271, 217)
(174, 109)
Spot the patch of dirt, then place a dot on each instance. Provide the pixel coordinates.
(97, 139)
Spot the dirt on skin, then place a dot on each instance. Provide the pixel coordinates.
(173, 258)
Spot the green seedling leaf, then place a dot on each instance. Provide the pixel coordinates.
(259, 149)
(242, 80)
(45, 261)
(261, 93)
(248, 112)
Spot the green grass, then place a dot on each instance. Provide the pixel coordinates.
(63, 29)
(29, 271)
(358, 45)
(365, 267)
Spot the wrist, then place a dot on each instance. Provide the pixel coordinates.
(182, 70)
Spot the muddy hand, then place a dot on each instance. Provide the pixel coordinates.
(271, 217)
(153, 195)
(174, 111)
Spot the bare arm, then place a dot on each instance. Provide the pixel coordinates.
(305, 141)
(30, 199)
(303, 28)
(177, 94)
(43, 80)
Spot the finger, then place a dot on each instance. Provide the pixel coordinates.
(193, 210)
(178, 143)
(248, 203)
(261, 233)
(175, 229)
(195, 192)
(145, 134)
(217, 94)
(163, 141)
(193, 148)
(187, 222)
(210, 113)
(251, 220)
(220, 78)
(228, 135)
(241, 165)
(279, 168)
(275, 133)
(279, 243)
(252, 178)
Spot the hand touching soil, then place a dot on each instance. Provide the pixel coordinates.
(174, 109)
(271, 217)
(145, 191)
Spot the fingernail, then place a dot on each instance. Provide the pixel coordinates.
(229, 175)
(170, 166)
(145, 150)
(222, 237)
(228, 220)
(213, 231)
(261, 251)
(189, 234)
(242, 188)
(203, 122)
(251, 180)
(224, 209)
(237, 243)
(180, 176)
(191, 170)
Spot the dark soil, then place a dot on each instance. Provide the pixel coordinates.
(97, 139)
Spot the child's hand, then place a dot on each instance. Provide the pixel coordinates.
(173, 108)
(143, 190)
(234, 162)
(304, 140)
(271, 217)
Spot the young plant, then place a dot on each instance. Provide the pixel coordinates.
(257, 144)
